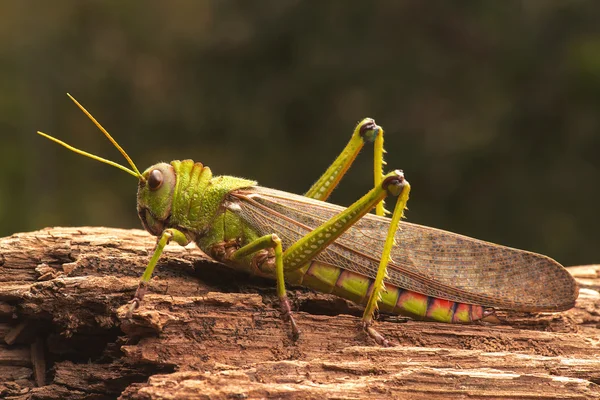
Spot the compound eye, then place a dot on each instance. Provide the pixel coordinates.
(155, 180)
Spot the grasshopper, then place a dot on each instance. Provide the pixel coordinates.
(350, 252)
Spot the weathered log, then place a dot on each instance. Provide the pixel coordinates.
(205, 331)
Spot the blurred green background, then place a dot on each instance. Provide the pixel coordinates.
(491, 108)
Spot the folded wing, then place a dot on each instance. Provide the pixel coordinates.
(425, 260)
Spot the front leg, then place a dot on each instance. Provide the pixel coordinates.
(163, 240)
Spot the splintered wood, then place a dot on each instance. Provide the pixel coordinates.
(204, 331)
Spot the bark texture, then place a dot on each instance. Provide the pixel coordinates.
(204, 331)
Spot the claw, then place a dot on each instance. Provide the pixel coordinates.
(378, 337)
(134, 304)
(286, 315)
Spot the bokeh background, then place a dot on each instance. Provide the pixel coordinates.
(491, 108)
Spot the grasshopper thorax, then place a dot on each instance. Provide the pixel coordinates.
(155, 197)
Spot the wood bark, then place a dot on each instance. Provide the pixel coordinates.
(205, 331)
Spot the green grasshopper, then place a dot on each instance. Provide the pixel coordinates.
(362, 257)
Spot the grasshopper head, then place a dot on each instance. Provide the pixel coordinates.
(155, 197)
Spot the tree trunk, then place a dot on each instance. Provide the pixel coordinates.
(204, 331)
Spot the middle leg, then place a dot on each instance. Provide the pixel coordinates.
(272, 241)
